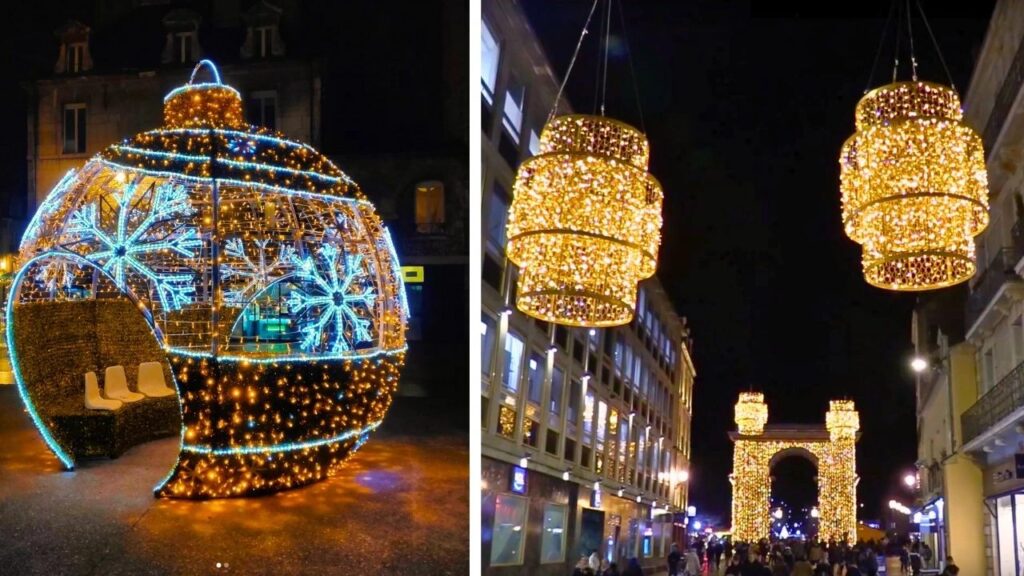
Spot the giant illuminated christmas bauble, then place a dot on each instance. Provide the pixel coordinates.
(267, 278)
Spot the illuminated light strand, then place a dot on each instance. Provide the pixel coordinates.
(229, 162)
(287, 447)
(66, 459)
(914, 187)
(241, 183)
(287, 358)
(584, 226)
(200, 86)
(49, 204)
(257, 274)
(396, 270)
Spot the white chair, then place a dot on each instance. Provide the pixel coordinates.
(93, 400)
(151, 380)
(115, 384)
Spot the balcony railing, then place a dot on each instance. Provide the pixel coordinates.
(998, 272)
(996, 404)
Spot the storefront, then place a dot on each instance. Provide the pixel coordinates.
(527, 520)
(1004, 498)
(932, 526)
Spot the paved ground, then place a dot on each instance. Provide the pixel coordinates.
(400, 506)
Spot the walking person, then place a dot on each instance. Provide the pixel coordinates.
(673, 560)
(692, 567)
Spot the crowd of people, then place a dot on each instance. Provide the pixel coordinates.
(719, 556)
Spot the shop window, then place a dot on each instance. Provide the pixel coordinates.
(509, 532)
(1007, 541)
(74, 129)
(552, 547)
(430, 207)
(506, 421)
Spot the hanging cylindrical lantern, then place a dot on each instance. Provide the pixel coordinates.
(914, 187)
(585, 222)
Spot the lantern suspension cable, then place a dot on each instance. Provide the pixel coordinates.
(632, 70)
(935, 43)
(572, 62)
(607, 37)
(910, 34)
(881, 44)
(896, 55)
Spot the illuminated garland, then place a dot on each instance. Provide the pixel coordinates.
(266, 276)
(914, 187)
(835, 459)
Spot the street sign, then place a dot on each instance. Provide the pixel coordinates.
(518, 480)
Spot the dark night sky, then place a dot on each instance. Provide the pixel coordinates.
(746, 111)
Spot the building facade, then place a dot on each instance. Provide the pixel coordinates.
(586, 433)
(976, 464)
(293, 72)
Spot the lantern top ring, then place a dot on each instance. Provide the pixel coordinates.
(913, 100)
(596, 136)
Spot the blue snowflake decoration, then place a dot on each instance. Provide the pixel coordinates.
(138, 233)
(255, 274)
(328, 300)
(243, 146)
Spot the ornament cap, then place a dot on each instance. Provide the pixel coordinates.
(204, 104)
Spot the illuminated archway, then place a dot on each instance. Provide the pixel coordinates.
(830, 447)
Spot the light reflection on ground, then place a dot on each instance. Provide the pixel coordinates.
(400, 505)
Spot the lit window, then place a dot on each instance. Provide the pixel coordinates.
(552, 547)
(513, 362)
(497, 215)
(261, 108)
(489, 62)
(509, 533)
(183, 46)
(430, 207)
(74, 129)
(513, 115)
(74, 56)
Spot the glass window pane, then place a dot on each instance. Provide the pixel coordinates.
(534, 143)
(513, 362)
(1019, 516)
(513, 115)
(552, 547)
(1007, 542)
(488, 332)
(557, 382)
(509, 527)
(489, 62)
(497, 215)
(69, 130)
(80, 132)
(536, 375)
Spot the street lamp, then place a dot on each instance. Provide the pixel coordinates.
(910, 480)
(918, 364)
(815, 513)
(778, 513)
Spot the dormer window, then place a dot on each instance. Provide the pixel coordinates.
(181, 44)
(73, 55)
(183, 47)
(262, 32)
(264, 41)
(74, 49)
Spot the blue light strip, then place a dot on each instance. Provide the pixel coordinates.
(50, 203)
(287, 447)
(229, 162)
(275, 140)
(213, 68)
(64, 457)
(397, 271)
(241, 183)
(285, 359)
(44, 430)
